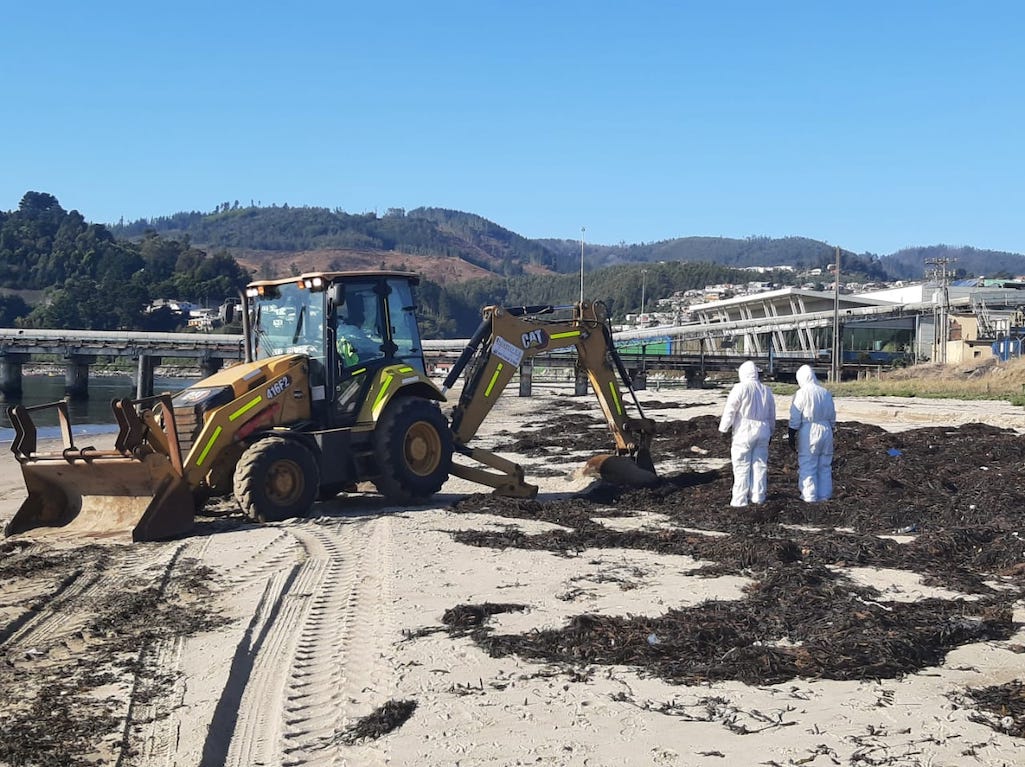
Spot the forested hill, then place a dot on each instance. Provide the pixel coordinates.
(964, 262)
(270, 240)
(59, 271)
(258, 235)
(277, 234)
(802, 254)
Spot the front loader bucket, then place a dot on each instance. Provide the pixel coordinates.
(134, 488)
(102, 497)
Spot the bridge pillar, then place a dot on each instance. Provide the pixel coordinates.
(580, 383)
(10, 375)
(76, 376)
(526, 377)
(210, 365)
(144, 375)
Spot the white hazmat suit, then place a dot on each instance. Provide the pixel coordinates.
(812, 421)
(751, 413)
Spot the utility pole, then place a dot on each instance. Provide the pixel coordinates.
(837, 351)
(644, 282)
(942, 311)
(581, 268)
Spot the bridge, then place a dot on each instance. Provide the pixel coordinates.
(79, 349)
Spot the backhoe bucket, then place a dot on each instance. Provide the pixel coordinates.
(624, 470)
(137, 488)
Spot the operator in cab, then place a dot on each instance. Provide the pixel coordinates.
(356, 331)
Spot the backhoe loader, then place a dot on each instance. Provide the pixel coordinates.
(333, 391)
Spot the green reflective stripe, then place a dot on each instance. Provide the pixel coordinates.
(491, 383)
(380, 395)
(355, 373)
(245, 408)
(209, 444)
(406, 370)
(615, 397)
(567, 334)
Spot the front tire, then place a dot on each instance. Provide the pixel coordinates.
(413, 449)
(276, 479)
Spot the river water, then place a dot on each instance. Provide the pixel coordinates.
(91, 416)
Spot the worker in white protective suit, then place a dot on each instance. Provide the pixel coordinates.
(812, 422)
(750, 413)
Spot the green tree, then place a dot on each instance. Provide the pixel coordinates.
(12, 308)
(94, 280)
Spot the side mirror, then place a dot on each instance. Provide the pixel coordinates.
(336, 294)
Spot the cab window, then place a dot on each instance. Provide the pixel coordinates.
(359, 326)
(402, 315)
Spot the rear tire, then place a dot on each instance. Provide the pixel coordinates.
(276, 479)
(413, 449)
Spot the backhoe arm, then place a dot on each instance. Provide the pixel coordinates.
(508, 336)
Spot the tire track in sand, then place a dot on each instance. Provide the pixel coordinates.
(341, 672)
(57, 632)
(165, 727)
(311, 657)
(151, 731)
(67, 607)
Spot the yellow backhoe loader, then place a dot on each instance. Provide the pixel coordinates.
(333, 391)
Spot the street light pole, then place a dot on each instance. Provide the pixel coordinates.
(581, 268)
(837, 341)
(644, 282)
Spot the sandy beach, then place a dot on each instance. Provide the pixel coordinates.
(266, 645)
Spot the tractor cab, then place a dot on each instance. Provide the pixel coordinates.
(349, 325)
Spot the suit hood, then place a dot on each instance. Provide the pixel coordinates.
(806, 376)
(748, 371)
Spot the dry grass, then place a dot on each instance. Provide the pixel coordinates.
(441, 269)
(985, 379)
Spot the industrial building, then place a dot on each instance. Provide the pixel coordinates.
(958, 322)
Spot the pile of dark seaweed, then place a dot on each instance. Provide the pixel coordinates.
(52, 713)
(958, 494)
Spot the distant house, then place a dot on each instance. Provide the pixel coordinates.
(204, 319)
(184, 307)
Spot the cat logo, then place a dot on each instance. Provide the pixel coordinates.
(534, 339)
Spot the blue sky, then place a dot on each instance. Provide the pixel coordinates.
(870, 125)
